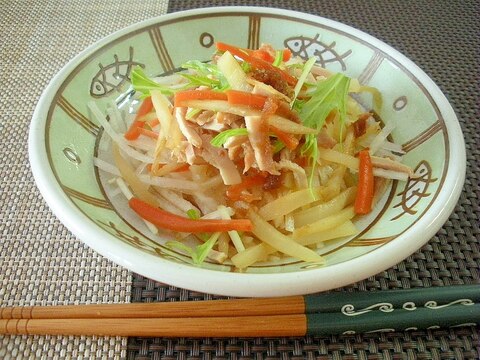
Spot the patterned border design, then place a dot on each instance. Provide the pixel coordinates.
(371, 68)
(72, 193)
(77, 116)
(161, 49)
(371, 242)
(254, 32)
(423, 137)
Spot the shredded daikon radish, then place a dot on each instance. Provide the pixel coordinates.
(218, 214)
(143, 143)
(105, 166)
(390, 174)
(115, 192)
(105, 143)
(233, 72)
(141, 169)
(169, 183)
(116, 118)
(236, 240)
(388, 155)
(381, 137)
(397, 148)
(178, 200)
(128, 194)
(168, 205)
(124, 188)
(116, 137)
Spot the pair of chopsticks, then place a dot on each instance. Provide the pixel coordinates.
(320, 314)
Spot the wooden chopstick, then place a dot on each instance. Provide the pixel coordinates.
(252, 326)
(180, 309)
(333, 302)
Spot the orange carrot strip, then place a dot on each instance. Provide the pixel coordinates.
(221, 46)
(144, 109)
(301, 161)
(234, 192)
(290, 141)
(287, 54)
(154, 122)
(166, 220)
(186, 95)
(364, 199)
(182, 167)
(263, 55)
(236, 97)
(147, 132)
(256, 62)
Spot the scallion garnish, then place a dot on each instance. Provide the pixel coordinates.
(278, 58)
(301, 80)
(222, 137)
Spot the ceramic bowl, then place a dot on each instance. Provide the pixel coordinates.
(64, 140)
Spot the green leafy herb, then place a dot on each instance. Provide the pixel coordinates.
(204, 74)
(330, 94)
(222, 137)
(200, 252)
(143, 84)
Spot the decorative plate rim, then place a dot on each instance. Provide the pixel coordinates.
(251, 284)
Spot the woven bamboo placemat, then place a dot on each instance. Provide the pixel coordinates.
(442, 37)
(42, 263)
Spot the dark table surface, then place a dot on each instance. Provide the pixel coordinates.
(442, 37)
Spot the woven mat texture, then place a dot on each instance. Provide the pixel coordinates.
(442, 37)
(40, 261)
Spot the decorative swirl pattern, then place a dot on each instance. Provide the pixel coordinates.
(464, 324)
(380, 330)
(410, 306)
(349, 309)
(434, 306)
